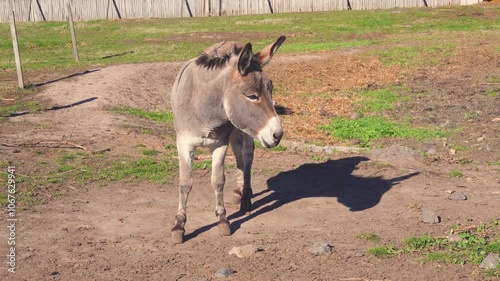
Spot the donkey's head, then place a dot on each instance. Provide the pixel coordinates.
(248, 100)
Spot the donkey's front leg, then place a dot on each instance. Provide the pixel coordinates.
(218, 180)
(186, 153)
(247, 152)
(243, 148)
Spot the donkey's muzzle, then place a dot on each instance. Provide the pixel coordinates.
(271, 134)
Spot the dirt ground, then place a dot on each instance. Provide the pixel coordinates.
(121, 231)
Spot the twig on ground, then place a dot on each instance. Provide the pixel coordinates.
(461, 230)
(49, 144)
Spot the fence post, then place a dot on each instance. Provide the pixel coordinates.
(107, 9)
(72, 28)
(15, 45)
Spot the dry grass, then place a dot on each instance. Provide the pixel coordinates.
(321, 87)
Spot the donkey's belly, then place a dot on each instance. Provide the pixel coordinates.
(200, 141)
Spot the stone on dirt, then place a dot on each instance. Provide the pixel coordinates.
(457, 196)
(225, 272)
(320, 248)
(429, 216)
(491, 261)
(244, 251)
(454, 238)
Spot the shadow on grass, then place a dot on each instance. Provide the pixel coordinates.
(57, 107)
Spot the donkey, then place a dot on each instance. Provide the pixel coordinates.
(223, 97)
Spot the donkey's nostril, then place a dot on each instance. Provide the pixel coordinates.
(278, 135)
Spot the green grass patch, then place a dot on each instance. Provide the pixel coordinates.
(150, 152)
(471, 115)
(65, 168)
(472, 247)
(202, 165)
(377, 101)
(369, 236)
(410, 56)
(57, 172)
(279, 147)
(383, 251)
(414, 244)
(455, 174)
(494, 93)
(151, 115)
(370, 128)
(138, 169)
(47, 45)
(320, 158)
(20, 107)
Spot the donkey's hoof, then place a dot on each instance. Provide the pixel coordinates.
(224, 228)
(245, 206)
(177, 236)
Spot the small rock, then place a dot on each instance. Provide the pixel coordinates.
(454, 238)
(429, 216)
(452, 151)
(355, 116)
(480, 139)
(449, 191)
(224, 272)
(320, 248)
(457, 196)
(445, 124)
(491, 261)
(497, 119)
(244, 251)
(431, 151)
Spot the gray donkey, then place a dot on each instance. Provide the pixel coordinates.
(223, 97)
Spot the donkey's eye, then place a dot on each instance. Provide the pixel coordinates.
(253, 97)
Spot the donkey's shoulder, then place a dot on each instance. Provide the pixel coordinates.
(219, 54)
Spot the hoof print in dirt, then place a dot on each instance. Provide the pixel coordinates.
(457, 196)
(320, 248)
(224, 272)
(429, 216)
(490, 262)
(244, 251)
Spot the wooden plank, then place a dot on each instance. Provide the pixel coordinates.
(17, 55)
(72, 28)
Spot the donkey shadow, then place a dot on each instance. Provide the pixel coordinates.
(331, 179)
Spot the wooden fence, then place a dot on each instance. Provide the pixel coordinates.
(54, 10)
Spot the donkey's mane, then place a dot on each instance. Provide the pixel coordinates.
(218, 55)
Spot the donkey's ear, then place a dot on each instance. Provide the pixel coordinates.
(245, 59)
(266, 54)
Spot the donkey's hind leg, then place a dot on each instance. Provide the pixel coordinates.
(243, 149)
(186, 152)
(218, 180)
